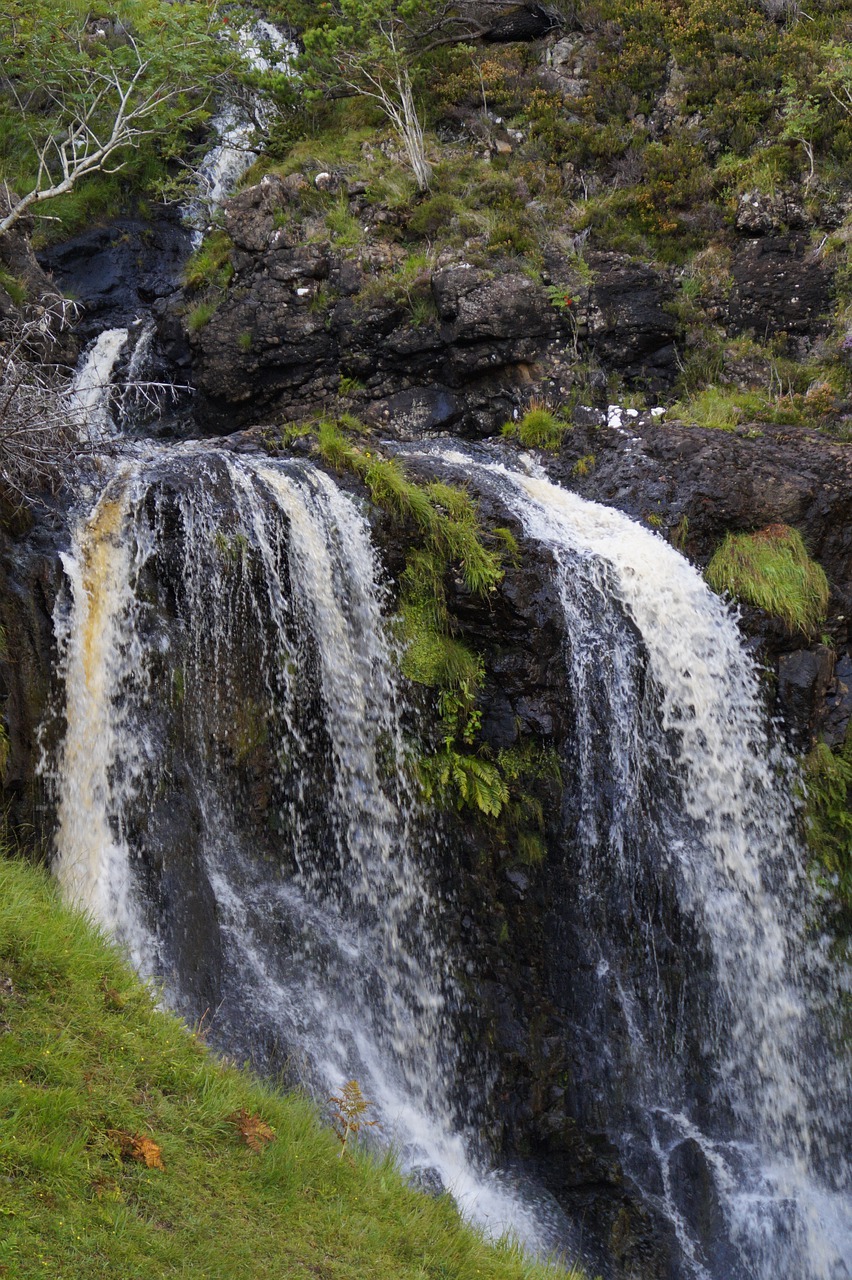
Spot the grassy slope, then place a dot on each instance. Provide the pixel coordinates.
(84, 1052)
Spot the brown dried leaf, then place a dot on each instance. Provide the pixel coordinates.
(148, 1153)
(135, 1146)
(256, 1132)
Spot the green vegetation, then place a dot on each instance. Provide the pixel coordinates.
(201, 315)
(445, 518)
(539, 428)
(828, 824)
(676, 111)
(718, 407)
(13, 287)
(210, 267)
(583, 465)
(772, 569)
(446, 536)
(63, 63)
(127, 1150)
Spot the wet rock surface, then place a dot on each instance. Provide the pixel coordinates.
(117, 269)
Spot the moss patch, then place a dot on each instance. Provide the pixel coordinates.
(772, 569)
(828, 823)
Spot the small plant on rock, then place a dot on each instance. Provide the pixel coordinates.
(772, 569)
(539, 428)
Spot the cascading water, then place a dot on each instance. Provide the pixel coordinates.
(724, 1074)
(238, 125)
(232, 800)
(91, 387)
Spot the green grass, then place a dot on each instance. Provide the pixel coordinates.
(85, 1055)
(210, 266)
(719, 408)
(445, 517)
(538, 429)
(772, 569)
(200, 316)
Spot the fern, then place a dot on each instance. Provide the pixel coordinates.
(454, 779)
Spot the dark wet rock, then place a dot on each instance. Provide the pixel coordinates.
(30, 579)
(804, 677)
(427, 1179)
(629, 327)
(780, 285)
(522, 23)
(299, 319)
(836, 712)
(697, 1199)
(120, 268)
(694, 485)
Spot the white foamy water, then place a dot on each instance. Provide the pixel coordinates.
(91, 387)
(673, 715)
(238, 126)
(271, 582)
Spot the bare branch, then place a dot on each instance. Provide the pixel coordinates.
(84, 147)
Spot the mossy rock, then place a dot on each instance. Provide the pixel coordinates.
(772, 569)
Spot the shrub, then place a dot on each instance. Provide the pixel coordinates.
(772, 569)
(433, 216)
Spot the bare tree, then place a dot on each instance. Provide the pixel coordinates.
(387, 81)
(96, 122)
(38, 436)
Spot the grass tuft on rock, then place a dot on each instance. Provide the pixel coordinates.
(539, 428)
(127, 1149)
(772, 569)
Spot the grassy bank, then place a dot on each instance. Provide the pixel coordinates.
(127, 1150)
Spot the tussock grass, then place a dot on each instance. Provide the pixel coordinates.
(772, 569)
(538, 429)
(85, 1055)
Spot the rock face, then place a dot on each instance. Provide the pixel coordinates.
(629, 327)
(457, 348)
(117, 269)
(779, 285)
(315, 319)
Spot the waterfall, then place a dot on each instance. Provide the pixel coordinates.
(716, 1064)
(238, 125)
(232, 796)
(91, 387)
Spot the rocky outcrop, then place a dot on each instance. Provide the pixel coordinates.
(456, 348)
(630, 325)
(117, 269)
(780, 284)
